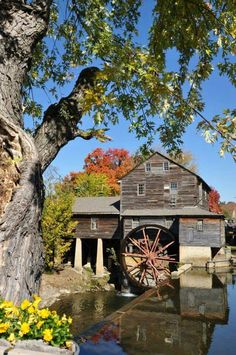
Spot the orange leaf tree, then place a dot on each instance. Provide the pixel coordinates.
(214, 201)
(114, 163)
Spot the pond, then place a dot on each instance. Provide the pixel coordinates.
(193, 315)
(89, 308)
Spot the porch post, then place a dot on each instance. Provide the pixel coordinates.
(78, 254)
(99, 261)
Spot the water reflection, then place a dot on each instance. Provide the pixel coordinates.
(181, 319)
(89, 308)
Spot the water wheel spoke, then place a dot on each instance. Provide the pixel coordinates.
(142, 276)
(134, 273)
(146, 239)
(138, 245)
(136, 255)
(156, 241)
(137, 265)
(165, 247)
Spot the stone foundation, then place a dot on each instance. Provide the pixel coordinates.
(197, 256)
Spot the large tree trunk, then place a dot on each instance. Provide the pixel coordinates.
(21, 192)
(23, 157)
(21, 257)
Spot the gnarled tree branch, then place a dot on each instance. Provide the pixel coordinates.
(60, 122)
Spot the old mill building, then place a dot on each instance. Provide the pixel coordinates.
(157, 192)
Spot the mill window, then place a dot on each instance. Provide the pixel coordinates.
(148, 167)
(166, 166)
(141, 189)
(94, 224)
(200, 225)
(173, 186)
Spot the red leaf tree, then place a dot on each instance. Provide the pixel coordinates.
(114, 163)
(214, 201)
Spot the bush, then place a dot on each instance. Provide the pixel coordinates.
(29, 322)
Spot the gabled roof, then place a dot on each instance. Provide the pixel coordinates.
(96, 205)
(172, 161)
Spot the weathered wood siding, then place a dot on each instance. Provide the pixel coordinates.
(108, 227)
(170, 223)
(212, 234)
(190, 190)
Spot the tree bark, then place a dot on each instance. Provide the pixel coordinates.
(24, 157)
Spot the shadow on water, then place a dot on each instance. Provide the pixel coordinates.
(196, 315)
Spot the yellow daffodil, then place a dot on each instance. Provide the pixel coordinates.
(44, 313)
(47, 335)
(39, 324)
(25, 328)
(69, 344)
(25, 304)
(31, 309)
(11, 337)
(6, 304)
(4, 327)
(69, 320)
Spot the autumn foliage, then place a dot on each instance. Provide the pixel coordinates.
(214, 201)
(114, 163)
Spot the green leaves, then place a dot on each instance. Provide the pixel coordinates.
(135, 79)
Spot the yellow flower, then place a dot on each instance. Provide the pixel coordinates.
(37, 300)
(47, 334)
(11, 337)
(44, 313)
(69, 320)
(25, 304)
(31, 309)
(4, 327)
(58, 322)
(39, 324)
(6, 304)
(25, 328)
(69, 344)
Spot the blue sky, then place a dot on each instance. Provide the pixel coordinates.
(218, 172)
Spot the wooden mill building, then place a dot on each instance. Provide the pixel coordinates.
(159, 192)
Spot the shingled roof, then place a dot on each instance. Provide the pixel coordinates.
(97, 205)
(181, 212)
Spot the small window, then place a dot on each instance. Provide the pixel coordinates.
(148, 167)
(135, 222)
(94, 224)
(141, 189)
(166, 186)
(166, 166)
(168, 222)
(173, 201)
(173, 186)
(200, 225)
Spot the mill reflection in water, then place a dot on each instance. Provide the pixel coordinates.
(194, 315)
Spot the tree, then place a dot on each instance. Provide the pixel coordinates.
(214, 201)
(57, 225)
(87, 185)
(114, 163)
(42, 44)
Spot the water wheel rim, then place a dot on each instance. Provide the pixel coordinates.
(148, 263)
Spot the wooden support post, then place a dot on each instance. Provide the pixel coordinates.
(78, 254)
(99, 261)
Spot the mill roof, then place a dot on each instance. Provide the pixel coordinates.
(97, 205)
(161, 212)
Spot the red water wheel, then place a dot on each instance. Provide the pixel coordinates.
(146, 255)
